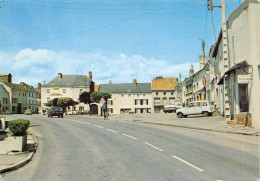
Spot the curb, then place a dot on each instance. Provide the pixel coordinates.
(204, 129)
(23, 162)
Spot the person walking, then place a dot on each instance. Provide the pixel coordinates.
(104, 109)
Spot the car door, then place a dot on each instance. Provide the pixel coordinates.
(197, 108)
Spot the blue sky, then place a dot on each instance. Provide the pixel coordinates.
(116, 40)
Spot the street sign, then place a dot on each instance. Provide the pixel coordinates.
(204, 80)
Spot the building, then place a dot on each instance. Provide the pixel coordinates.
(33, 97)
(16, 102)
(163, 92)
(68, 86)
(237, 75)
(126, 97)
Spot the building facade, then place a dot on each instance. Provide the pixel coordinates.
(163, 92)
(68, 86)
(126, 97)
(237, 82)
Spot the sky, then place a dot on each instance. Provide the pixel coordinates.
(118, 40)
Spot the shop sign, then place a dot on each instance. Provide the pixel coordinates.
(55, 94)
(204, 80)
(244, 79)
(56, 88)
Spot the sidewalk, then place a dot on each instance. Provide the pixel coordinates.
(14, 160)
(212, 123)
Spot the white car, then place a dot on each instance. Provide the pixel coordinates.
(196, 107)
(169, 107)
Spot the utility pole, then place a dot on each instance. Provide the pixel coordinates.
(225, 55)
(210, 8)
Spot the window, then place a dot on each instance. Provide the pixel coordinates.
(157, 100)
(48, 99)
(129, 95)
(122, 95)
(141, 102)
(164, 93)
(64, 90)
(48, 90)
(143, 94)
(110, 102)
(146, 101)
(135, 102)
(171, 93)
(157, 93)
(137, 95)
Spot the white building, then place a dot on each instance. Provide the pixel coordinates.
(237, 77)
(128, 96)
(68, 86)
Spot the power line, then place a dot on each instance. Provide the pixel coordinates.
(87, 30)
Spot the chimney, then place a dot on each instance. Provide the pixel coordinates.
(191, 70)
(202, 61)
(59, 75)
(135, 82)
(90, 75)
(9, 78)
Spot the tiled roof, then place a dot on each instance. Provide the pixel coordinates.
(126, 88)
(160, 83)
(15, 86)
(70, 81)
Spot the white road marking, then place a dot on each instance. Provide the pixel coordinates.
(112, 130)
(129, 136)
(191, 165)
(85, 123)
(153, 146)
(222, 180)
(98, 126)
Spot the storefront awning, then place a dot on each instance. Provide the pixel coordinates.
(237, 66)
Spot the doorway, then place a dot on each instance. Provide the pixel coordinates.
(243, 98)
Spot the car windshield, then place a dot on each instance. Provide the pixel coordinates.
(56, 108)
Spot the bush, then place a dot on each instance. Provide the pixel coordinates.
(19, 126)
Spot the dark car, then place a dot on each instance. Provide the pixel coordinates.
(55, 111)
(84, 112)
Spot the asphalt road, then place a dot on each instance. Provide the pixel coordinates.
(83, 148)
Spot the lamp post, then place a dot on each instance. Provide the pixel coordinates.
(203, 45)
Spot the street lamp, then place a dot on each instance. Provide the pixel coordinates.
(203, 45)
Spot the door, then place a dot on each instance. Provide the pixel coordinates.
(19, 108)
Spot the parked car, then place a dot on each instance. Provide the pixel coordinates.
(172, 107)
(55, 111)
(28, 112)
(84, 112)
(197, 107)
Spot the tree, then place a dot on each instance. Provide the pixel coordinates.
(55, 101)
(65, 102)
(49, 103)
(96, 96)
(85, 98)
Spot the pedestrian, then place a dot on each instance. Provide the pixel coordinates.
(104, 109)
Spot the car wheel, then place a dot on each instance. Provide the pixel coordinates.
(205, 114)
(186, 116)
(180, 115)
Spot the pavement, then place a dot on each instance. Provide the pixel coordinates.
(14, 160)
(10, 161)
(214, 123)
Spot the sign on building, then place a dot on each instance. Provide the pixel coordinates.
(243, 79)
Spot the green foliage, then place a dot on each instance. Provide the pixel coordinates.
(50, 103)
(65, 102)
(55, 102)
(96, 96)
(85, 97)
(7, 112)
(19, 126)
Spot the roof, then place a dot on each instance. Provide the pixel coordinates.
(126, 88)
(15, 86)
(70, 81)
(164, 83)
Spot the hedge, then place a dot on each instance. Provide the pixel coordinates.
(19, 126)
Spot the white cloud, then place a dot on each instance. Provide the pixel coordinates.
(33, 66)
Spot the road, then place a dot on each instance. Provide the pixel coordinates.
(85, 148)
